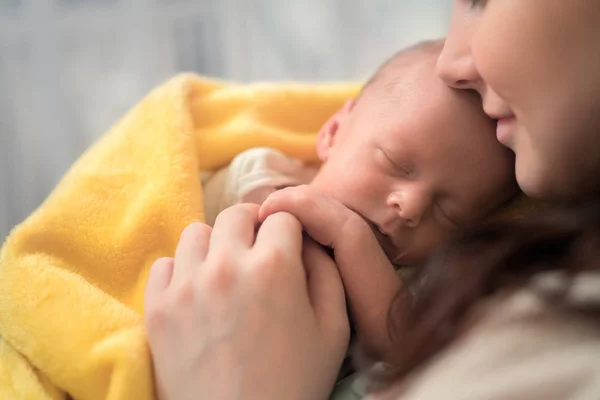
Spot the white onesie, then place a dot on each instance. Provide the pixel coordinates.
(250, 178)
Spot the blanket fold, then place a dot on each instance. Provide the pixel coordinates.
(72, 275)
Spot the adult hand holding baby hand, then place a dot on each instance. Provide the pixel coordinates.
(241, 313)
(369, 278)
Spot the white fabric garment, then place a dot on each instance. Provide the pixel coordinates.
(250, 178)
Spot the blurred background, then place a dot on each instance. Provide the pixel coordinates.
(70, 68)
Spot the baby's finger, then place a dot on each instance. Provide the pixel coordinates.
(322, 217)
(191, 251)
(369, 278)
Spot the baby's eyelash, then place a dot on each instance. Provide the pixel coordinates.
(396, 166)
(451, 220)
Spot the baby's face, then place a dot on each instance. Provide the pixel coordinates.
(416, 161)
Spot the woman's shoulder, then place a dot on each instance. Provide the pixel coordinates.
(518, 346)
(534, 304)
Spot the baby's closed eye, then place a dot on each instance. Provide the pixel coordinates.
(389, 163)
(446, 217)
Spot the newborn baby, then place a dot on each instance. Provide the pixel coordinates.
(414, 158)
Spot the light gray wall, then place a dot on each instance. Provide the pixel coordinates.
(70, 68)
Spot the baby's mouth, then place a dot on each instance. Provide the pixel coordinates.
(385, 241)
(381, 230)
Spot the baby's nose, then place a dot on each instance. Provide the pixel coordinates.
(412, 219)
(409, 208)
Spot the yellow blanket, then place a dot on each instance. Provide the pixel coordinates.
(72, 275)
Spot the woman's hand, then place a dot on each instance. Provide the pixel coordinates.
(241, 313)
(369, 278)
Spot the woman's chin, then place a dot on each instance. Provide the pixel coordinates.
(531, 180)
(549, 186)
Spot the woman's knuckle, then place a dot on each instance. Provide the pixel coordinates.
(184, 294)
(219, 256)
(268, 266)
(156, 316)
(243, 209)
(195, 231)
(220, 278)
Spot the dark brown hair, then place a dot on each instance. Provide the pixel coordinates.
(480, 262)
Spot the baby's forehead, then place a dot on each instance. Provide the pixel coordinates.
(410, 78)
(407, 92)
(428, 118)
(411, 95)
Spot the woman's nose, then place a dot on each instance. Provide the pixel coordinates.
(455, 64)
(456, 68)
(459, 73)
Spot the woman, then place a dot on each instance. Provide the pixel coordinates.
(507, 311)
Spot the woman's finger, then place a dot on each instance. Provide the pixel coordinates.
(235, 228)
(159, 279)
(191, 251)
(281, 231)
(370, 280)
(278, 250)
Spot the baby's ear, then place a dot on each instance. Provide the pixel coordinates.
(329, 130)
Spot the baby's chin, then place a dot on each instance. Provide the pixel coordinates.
(406, 259)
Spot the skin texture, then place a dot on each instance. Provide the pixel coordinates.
(414, 158)
(537, 64)
(370, 281)
(237, 304)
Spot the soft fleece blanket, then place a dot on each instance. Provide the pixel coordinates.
(72, 275)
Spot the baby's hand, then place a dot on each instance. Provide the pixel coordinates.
(370, 280)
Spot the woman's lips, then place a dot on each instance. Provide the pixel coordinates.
(505, 129)
(506, 123)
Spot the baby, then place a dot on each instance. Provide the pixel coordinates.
(414, 158)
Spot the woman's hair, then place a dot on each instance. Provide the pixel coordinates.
(427, 314)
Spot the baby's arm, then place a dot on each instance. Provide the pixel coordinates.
(250, 178)
(369, 278)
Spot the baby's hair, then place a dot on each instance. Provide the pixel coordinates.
(403, 58)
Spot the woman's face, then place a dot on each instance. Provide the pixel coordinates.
(536, 65)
